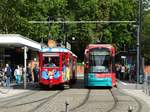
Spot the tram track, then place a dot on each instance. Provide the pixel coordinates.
(41, 103)
(135, 99)
(33, 101)
(84, 101)
(139, 105)
(20, 95)
(117, 101)
(45, 101)
(12, 99)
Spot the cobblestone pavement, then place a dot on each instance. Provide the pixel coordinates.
(79, 98)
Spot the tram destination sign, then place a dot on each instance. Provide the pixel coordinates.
(100, 53)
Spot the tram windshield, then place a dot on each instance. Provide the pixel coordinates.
(100, 61)
(51, 60)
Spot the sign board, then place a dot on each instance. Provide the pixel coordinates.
(68, 45)
(100, 53)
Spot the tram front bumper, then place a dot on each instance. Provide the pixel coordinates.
(94, 81)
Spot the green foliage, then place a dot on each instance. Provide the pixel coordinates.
(16, 14)
(145, 39)
(123, 10)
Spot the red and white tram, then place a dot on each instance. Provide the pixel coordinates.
(57, 66)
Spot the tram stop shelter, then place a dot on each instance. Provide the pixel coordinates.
(16, 48)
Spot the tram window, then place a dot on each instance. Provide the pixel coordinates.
(51, 61)
(99, 63)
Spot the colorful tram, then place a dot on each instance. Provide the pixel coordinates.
(57, 67)
(99, 69)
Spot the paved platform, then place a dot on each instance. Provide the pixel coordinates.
(6, 92)
(15, 89)
(135, 90)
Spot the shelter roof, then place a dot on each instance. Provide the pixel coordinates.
(17, 40)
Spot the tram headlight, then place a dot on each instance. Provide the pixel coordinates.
(51, 77)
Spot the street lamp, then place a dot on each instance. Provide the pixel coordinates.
(73, 38)
(138, 28)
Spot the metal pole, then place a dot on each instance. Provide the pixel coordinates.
(138, 40)
(25, 66)
(66, 104)
(138, 54)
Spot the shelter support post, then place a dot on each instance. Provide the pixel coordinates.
(25, 67)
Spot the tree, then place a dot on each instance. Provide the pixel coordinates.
(145, 37)
(122, 34)
(16, 14)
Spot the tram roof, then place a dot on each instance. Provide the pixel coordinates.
(75, 55)
(109, 46)
(17, 40)
(55, 49)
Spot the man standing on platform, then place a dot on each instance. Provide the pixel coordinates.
(35, 72)
(8, 74)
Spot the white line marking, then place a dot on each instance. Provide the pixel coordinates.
(124, 83)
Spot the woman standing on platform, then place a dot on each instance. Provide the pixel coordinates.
(17, 74)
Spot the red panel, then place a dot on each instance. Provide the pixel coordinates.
(60, 61)
(44, 81)
(104, 75)
(113, 79)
